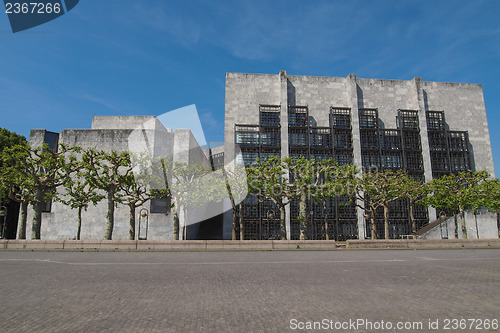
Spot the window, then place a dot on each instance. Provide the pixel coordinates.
(437, 141)
(340, 117)
(459, 162)
(297, 139)
(343, 158)
(342, 140)
(160, 206)
(435, 120)
(247, 139)
(390, 139)
(297, 116)
(270, 137)
(247, 135)
(458, 141)
(320, 137)
(412, 140)
(269, 115)
(408, 119)
(217, 161)
(369, 140)
(368, 118)
(414, 162)
(370, 160)
(439, 161)
(391, 161)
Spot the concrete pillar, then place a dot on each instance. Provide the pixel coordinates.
(424, 138)
(352, 99)
(284, 134)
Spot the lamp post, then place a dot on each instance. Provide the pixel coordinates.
(143, 214)
(442, 217)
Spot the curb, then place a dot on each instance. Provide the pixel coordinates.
(189, 245)
(423, 244)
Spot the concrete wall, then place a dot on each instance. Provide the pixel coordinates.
(482, 225)
(61, 222)
(244, 94)
(319, 94)
(462, 103)
(464, 109)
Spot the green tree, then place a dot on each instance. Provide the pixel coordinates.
(39, 172)
(456, 193)
(488, 195)
(378, 190)
(190, 188)
(10, 187)
(141, 186)
(78, 194)
(417, 193)
(107, 171)
(235, 179)
(335, 182)
(269, 180)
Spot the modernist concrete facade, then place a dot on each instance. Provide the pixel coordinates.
(427, 128)
(119, 134)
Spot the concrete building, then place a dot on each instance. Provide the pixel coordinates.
(427, 128)
(120, 134)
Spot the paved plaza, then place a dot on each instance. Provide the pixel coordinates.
(252, 291)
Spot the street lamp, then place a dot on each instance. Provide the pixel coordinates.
(143, 214)
(442, 217)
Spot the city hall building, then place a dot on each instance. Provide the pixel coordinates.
(427, 128)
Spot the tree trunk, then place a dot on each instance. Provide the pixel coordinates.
(283, 222)
(184, 224)
(413, 222)
(498, 223)
(175, 232)
(79, 230)
(233, 204)
(374, 227)
(240, 218)
(325, 213)
(23, 217)
(456, 226)
(303, 215)
(110, 217)
(386, 222)
(37, 214)
(233, 233)
(464, 226)
(131, 231)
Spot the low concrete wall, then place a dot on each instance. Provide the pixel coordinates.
(194, 245)
(422, 243)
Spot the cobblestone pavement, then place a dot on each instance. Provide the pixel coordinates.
(246, 291)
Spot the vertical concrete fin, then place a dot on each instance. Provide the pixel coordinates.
(424, 137)
(352, 98)
(284, 133)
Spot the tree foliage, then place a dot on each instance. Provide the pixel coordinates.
(457, 192)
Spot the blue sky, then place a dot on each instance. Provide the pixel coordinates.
(123, 57)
